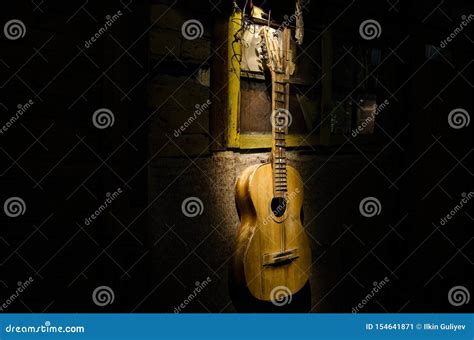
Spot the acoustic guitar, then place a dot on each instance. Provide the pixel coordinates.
(272, 257)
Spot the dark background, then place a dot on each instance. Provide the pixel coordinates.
(143, 247)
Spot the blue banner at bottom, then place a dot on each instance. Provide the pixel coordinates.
(237, 326)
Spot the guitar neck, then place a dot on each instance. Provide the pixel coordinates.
(280, 121)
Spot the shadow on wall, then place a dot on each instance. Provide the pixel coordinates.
(246, 303)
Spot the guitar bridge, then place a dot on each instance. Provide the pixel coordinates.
(280, 258)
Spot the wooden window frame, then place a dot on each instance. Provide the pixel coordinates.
(233, 138)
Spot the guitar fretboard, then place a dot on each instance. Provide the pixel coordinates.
(280, 120)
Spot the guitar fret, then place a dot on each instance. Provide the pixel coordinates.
(280, 102)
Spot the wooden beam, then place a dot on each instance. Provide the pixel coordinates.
(261, 141)
(234, 58)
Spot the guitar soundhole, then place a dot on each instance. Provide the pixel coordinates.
(278, 206)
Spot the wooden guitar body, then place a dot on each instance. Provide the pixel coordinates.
(272, 251)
